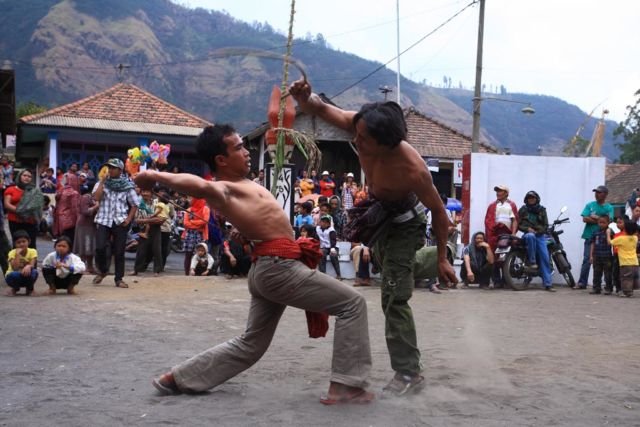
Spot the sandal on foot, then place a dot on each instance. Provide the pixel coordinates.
(98, 279)
(401, 385)
(121, 284)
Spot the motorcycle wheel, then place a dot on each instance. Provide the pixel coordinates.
(513, 264)
(177, 247)
(569, 278)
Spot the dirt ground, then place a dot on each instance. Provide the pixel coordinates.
(492, 358)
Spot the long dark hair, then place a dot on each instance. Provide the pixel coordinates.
(384, 121)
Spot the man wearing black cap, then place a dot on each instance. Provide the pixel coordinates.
(590, 214)
(118, 205)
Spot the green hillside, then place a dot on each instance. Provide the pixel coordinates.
(65, 50)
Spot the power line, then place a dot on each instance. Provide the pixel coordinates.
(404, 51)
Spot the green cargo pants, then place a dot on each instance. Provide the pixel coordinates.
(396, 250)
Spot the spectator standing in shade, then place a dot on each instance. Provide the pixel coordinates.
(316, 182)
(327, 186)
(306, 184)
(84, 242)
(348, 194)
(91, 176)
(67, 209)
(7, 172)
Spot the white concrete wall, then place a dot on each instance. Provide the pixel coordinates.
(560, 181)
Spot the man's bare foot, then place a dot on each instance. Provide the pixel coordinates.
(52, 290)
(133, 273)
(71, 290)
(343, 394)
(166, 384)
(156, 274)
(11, 292)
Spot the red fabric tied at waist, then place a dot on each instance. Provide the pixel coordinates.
(283, 248)
(308, 252)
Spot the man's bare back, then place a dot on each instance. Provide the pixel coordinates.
(392, 171)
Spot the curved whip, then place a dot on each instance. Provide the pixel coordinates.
(259, 53)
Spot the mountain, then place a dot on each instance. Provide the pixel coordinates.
(64, 50)
(553, 124)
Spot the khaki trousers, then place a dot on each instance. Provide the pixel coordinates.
(274, 284)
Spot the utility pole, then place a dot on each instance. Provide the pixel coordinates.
(475, 134)
(385, 90)
(398, 48)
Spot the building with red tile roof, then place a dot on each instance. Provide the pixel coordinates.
(105, 125)
(438, 144)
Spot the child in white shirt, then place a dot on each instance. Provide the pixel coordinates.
(201, 262)
(62, 269)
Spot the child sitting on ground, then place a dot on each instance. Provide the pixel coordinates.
(23, 260)
(62, 269)
(201, 262)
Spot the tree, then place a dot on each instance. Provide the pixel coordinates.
(28, 108)
(630, 132)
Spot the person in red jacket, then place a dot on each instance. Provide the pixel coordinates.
(501, 218)
(327, 186)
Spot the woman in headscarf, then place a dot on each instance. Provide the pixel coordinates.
(84, 242)
(196, 229)
(23, 203)
(67, 209)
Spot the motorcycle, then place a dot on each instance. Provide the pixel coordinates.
(511, 256)
(175, 239)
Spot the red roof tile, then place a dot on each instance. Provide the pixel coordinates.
(124, 103)
(434, 139)
(622, 184)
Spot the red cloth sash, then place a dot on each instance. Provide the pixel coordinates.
(308, 252)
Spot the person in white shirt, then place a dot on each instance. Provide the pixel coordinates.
(501, 218)
(62, 269)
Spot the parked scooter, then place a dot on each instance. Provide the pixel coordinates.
(175, 238)
(511, 256)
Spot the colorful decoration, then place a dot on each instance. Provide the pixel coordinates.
(154, 153)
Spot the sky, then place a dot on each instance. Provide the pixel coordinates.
(582, 51)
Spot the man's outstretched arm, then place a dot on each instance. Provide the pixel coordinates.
(311, 103)
(214, 192)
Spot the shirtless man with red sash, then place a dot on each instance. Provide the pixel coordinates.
(400, 182)
(277, 279)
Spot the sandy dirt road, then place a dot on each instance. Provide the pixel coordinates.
(492, 358)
